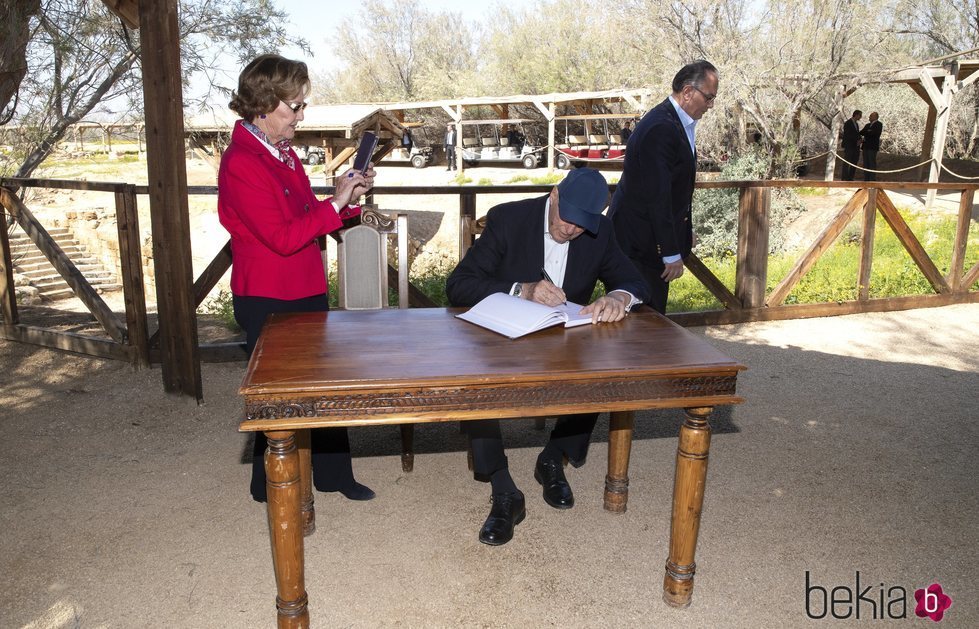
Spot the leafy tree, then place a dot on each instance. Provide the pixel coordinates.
(397, 50)
(82, 59)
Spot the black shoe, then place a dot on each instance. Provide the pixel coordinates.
(557, 491)
(356, 491)
(508, 511)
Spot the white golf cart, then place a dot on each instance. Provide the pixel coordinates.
(483, 143)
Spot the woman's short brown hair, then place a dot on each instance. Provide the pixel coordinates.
(265, 81)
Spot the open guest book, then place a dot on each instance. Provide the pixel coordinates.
(514, 317)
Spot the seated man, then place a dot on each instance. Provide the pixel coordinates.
(525, 241)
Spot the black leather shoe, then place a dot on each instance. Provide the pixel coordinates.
(356, 491)
(508, 511)
(557, 491)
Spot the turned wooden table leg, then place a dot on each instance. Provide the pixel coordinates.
(285, 529)
(306, 482)
(407, 447)
(688, 499)
(619, 448)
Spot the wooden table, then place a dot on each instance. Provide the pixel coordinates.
(362, 368)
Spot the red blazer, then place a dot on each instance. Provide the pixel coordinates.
(273, 218)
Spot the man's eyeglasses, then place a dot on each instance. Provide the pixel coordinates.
(707, 97)
(296, 107)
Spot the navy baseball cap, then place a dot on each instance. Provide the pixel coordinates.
(582, 196)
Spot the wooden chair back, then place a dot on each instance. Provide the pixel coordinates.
(362, 261)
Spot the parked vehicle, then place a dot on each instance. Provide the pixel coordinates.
(598, 141)
(482, 143)
(419, 157)
(311, 155)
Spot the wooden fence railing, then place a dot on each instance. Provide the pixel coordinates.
(747, 300)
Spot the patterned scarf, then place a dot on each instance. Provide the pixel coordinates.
(282, 148)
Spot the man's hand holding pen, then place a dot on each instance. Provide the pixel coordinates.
(544, 291)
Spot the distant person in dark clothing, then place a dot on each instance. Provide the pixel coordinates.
(450, 147)
(851, 145)
(625, 132)
(406, 141)
(871, 144)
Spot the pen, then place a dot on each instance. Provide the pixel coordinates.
(543, 273)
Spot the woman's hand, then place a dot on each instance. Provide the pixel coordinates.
(352, 184)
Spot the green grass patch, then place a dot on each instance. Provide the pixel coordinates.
(546, 180)
(834, 276)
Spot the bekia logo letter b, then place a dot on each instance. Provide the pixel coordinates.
(932, 602)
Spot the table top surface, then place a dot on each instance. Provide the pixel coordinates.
(338, 351)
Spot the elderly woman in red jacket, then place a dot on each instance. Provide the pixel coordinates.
(267, 205)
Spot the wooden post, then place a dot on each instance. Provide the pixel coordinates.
(752, 264)
(619, 449)
(131, 262)
(867, 245)
(834, 132)
(167, 174)
(550, 138)
(688, 500)
(8, 294)
(938, 148)
(961, 239)
(467, 213)
(285, 529)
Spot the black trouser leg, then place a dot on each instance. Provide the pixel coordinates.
(571, 437)
(659, 289)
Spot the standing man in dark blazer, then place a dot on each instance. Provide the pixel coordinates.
(871, 144)
(851, 145)
(561, 238)
(450, 146)
(651, 206)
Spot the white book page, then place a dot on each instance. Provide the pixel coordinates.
(515, 317)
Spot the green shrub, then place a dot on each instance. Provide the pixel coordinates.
(462, 180)
(221, 305)
(517, 179)
(715, 210)
(484, 181)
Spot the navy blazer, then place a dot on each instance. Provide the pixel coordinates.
(511, 249)
(651, 206)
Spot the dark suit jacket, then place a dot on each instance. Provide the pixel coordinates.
(851, 134)
(511, 249)
(651, 205)
(871, 135)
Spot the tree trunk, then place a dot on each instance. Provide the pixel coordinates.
(13, 52)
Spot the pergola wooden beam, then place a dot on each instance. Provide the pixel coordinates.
(169, 210)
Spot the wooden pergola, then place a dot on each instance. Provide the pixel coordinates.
(937, 85)
(636, 101)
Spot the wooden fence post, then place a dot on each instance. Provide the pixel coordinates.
(131, 262)
(753, 229)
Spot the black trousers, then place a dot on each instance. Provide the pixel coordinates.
(450, 157)
(329, 447)
(659, 289)
(571, 435)
(870, 163)
(851, 155)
